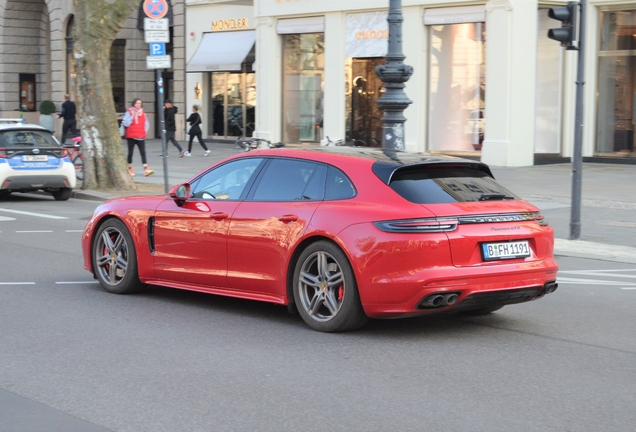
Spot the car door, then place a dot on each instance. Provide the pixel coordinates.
(270, 221)
(190, 240)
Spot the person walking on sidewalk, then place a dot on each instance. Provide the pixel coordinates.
(68, 113)
(136, 124)
(195, 131)
(169, 112)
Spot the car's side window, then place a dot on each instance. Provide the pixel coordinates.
(287, 180)
(226, 182)
(338, 185)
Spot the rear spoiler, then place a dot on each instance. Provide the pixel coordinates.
(385, 171)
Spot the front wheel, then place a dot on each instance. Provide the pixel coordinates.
(325, 289)
(62, 194)
(115, 259)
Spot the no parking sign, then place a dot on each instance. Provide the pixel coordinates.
(155, 8)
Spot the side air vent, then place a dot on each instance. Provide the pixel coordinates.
(151, 234)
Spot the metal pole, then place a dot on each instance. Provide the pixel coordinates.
(577, 157)
(394, 74)
(162, 124)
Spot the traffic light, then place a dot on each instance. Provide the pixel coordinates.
(567, 33)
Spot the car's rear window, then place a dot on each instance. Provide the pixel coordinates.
(27, 138)
(439, 184)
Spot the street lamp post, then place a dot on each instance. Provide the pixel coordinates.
(394, 74)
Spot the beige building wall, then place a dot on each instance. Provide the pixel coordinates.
(43, 52)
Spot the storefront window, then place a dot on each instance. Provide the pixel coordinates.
(118, 73)
(616, 117)
(70, 60)
(364, 88)
(303, 83)
(457, 87)
(547, 137)
(233, 104)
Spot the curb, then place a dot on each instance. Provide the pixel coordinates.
(597, 251)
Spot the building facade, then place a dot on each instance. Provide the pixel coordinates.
(36, 48)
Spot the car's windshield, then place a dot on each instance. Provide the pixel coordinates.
(27, 138)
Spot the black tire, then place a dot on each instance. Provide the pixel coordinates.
(115, 259)
(480, 312)
(78, 162)
(325, 289)
(4, 193)
(62, 194)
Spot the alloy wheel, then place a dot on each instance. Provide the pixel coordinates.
(111, 256)
(321, 286)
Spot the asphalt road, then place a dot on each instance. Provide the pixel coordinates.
(74, 358)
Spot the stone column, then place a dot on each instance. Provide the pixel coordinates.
(511, 61)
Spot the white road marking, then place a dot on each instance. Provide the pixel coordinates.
(591, 282)
(43, 231)
(74, 231)
(17, 283)
(33, 214)
(77, 283)
(6, 219)
(582, 280)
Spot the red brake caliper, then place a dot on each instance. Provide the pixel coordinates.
(340, 292)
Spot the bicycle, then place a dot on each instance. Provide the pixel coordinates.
(249, 144)
(341, 142)
(75, 155)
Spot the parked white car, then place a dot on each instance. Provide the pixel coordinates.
(32, 159)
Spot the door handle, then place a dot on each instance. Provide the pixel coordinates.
(219, 216)
(288, 218)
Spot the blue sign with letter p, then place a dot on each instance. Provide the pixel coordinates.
(157, 49)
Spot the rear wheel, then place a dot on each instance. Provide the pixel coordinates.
(63, 194)
(5, 193)
(115, 259)
(78, 162)
(325, 289)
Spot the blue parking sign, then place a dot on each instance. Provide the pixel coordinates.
(157, 49)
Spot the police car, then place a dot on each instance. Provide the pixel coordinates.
(32, 159)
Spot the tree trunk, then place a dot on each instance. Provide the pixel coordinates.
(97, 23)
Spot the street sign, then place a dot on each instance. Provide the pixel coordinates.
(156, 36)
(155, 8)
(158, 62)
(156, 24)
(157, 49)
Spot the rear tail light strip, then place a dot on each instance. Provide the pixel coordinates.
(429, 225)
(447, 224)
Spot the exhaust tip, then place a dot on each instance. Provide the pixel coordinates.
(439, 300)
(451, 299)
(551, 287)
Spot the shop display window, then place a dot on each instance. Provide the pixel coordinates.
(233, 104)
(303, 85)
(457, 87)
(616, 115)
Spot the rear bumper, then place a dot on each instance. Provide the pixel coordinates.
(475, 291)
(26, 183)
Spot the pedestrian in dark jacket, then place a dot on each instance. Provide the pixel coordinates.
(195, 130)
(169, 112)
(68, 114)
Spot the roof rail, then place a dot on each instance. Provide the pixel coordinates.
(12, 120)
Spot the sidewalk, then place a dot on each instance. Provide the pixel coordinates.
(608, 225)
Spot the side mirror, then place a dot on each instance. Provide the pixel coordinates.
(180, 193)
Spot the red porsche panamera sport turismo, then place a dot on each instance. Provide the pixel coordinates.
(340, 234)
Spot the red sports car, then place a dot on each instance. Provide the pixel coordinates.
(340, 234)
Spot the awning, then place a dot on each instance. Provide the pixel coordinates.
(222, 51)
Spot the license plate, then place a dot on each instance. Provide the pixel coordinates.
(35, 158)
(507, 250)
